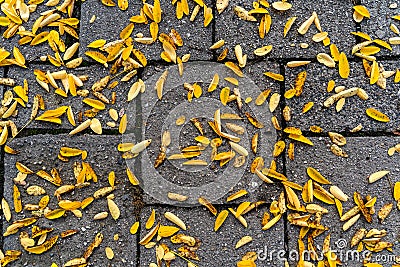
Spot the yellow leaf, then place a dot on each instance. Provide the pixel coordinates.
(316, 176)
(362, 35)
(132, 178)
(264, 50)
(208, 15)
(6, 209)
(307, 107)
(215, 81)
(97, 56)
(374, 73)
(362, 10)
(70, 116)
(154, 30)
(96, 44)
(344, 67)
(150, 221)
(97, 104)
(167, 231)
(43, 247)
(3, 54)
(301, 138)
(157, 11)
(18, 56)
(140, 56)
(134, 228)
(396, 191)
(123, 124)
(69, 205)
(114, 210)
(299, 82)
(17, 199)
(262, 97)
(377, 115)
(4, 21)
(237, 195)
(220, 219)
(274, 76)
(55, 214)
(127, 31)
(224, 95)
(288, 25)
(383, 44)
(246, 263)
(279, 147)
(123, 4)
(108, 2)
(334, 52)
(40, 38)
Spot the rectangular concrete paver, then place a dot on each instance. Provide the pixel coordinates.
(353, 112)
(40, 153)
(195, 37)
(161, 115)
(378, 26)
(53, 100)
(32, 53)
(366, 156)
(217, 248)
(236, 31)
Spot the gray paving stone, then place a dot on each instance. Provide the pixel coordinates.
(32, 53)
(366, 156)
(235, 31)
(353, 113)
(196, 38)
(40, 152)
(378, 25)
(218, 248)
(53, 100)
(161, 115)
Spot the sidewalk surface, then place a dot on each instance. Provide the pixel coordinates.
(121, 119)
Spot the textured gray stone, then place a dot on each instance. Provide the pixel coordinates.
(40, 152)
(218, 248)
(53, 100)
(353, 113)
(378, 25)
(235, 31)
(366, 156)
(32, 53)
(195, 37)
(157, 117)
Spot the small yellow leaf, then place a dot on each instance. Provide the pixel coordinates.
(362, 10)
(224, 95)
(344, 67)
(96, 44)
(374, 73)
(220, 219)
(134, 228)
(316, 176)
(377, 115)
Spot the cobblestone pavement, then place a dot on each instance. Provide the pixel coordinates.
(100, 183)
